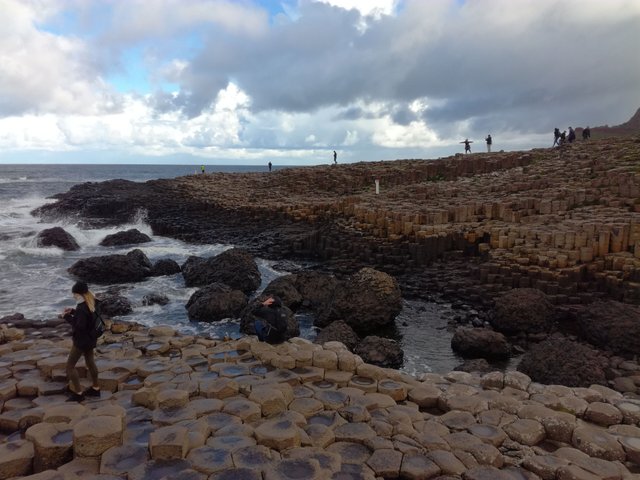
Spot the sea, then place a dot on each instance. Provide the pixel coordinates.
(34, 280)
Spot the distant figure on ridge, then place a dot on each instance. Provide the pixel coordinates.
(85, 336)
(563, 138)
(335, 158)
(586, 133)
(202, 168)
(572, 135)
(270, 166)
(489, 142)
(556, 137)
(467, 145)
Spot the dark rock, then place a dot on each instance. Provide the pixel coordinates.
(480, 343)
(247, 319)
(165, 266)
(235, 268)
(14, 317)
(476, 365)
(610, 325)
(57, 237)
(216, 302)
(113, 304)
(317, 289)
(366, 301)
(285, 288)
(523, 310)
(132, 267)
(565, 362)
(383, 352)
(127, 237)
(338, 331)
(155, 299)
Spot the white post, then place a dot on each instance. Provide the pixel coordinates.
(377, 186)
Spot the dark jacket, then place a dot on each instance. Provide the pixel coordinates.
(83, 329)
(276, 317)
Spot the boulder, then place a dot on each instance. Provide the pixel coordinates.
(480, 343)
(234, 267)
(155, 299)
(317, 289)
(106, 269)
(338, 331)
(383, 352)
(612, 326)
(247, 319)
(113, 304)
(366, 301)
(285, 288)
(127, 237)
(57, 237)
(216, 302)
(165, 266)
(559, 360)
(523, 310)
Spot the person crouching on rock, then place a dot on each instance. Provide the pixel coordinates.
(82, 320)
(271, 321)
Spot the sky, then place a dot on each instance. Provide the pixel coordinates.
(252, 81)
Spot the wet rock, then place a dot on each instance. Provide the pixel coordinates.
(285, 288)
(235, 268)
(127, 237)
(480, 343)
(278, 434)
(611, 326)
(563, 361)
(169, 443)
(210, 460)
(380, 351)
(120, 460)
(368, 300)
(386, 462)
(57, 237)
(165, 266)
(113, 304)
(597, 443)
(155, 299)
(523, 310)
(338, 331)
(132, 267)
(478, 365)
(416, 466)
(317, 289)
(216, 302)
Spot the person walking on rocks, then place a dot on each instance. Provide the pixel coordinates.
(270, 165)
(572, 135)
(202, 168)
(586, 133)
(335, 158)
(271, 321)
(556, 137)
(489, 142)
(467, 145)
(84, 334)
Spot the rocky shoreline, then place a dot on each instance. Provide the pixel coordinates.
(185, 407)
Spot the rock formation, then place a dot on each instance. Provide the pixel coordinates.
(107, 269)
(57, 237)
(235, 268)
(127, 237)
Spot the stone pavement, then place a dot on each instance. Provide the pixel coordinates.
(183, 407)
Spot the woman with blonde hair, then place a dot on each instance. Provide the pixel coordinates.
(82, 320)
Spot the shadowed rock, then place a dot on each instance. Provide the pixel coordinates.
(165, 266)
(523, 310)
(383, 352)
(234, 267)
(480, 342)
(132, 267)
(127, 237)
(57, 237)
(216, 302)
(338, 331)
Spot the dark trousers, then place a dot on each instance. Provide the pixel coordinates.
(72, 372)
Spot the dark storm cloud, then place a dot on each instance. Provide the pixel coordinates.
(481, 60)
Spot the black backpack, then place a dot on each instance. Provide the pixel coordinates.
(278, 327)
(99, 325)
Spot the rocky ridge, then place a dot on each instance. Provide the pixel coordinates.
(177, 406)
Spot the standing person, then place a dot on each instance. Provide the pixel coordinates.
(467, 145)
(572, 135)
(556, 137)
(270, 166)
(84, 335)
(335, 158)
(202, 168)
(489, 142)
(271, 321)
(586, 133)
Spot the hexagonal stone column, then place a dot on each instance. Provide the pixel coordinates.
(16, 459)
(53, 444)
(93, 436)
